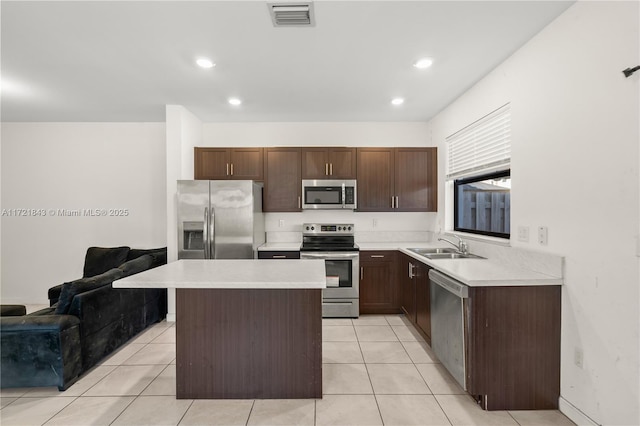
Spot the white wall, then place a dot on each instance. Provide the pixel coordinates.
(76, 166)
(575, 169)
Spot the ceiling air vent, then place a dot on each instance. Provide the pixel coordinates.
(299, 14)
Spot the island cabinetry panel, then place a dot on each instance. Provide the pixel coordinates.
(229, 163)
(283, 182)
(328, 163)
(278, 255)
(378, 283)
(248, 343)
(513, 347)
(413, 279)
(397, 179)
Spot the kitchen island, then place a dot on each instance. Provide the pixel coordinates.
(245, 329)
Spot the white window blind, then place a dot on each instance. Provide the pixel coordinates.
(483, 146)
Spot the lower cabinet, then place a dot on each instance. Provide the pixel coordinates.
(513, 347)
(278, 255)
(415, 293)
(378, 286)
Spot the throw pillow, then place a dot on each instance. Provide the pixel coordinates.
(136, 265)
(71, 289)
(135, 253)
(102, 259)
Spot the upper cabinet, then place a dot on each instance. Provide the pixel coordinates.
(282, 183)
(397, 179)
(229, 163)
(328, 163)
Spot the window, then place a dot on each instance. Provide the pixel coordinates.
(479, 166)
(483, 204)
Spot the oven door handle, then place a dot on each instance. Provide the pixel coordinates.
(328, 255)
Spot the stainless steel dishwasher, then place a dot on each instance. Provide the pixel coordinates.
(447, 323)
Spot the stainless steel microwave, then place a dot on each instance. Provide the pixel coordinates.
(329, 194)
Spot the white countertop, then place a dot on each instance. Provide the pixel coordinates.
(472, 272)
(231, 273)
(294, 246)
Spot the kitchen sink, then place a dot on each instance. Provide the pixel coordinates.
(439, 250)
(443, 253)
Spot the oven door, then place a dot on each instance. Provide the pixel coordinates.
(342, 272)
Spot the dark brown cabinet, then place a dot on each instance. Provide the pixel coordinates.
(513, 347)
(278, 255)
(328, 163)
(229, 163)
(397, 179)
(378, 286)
(282, 181)
(415, 293)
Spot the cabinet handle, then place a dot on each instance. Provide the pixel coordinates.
(377, 255)
(331, 169)
(411, 270)
(397, 204)
(278, 256)
(361, 273)
(231, 169)
(392, 203)
(299, 205)
(326, 169)
(227, 169)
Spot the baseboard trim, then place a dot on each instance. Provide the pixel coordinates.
(574, 414)
(171, 317)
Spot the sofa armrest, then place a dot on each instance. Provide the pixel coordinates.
(40, 350)
(54, 294)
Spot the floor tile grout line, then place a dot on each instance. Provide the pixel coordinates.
(250, 411)
(60, 410)
(373, 391)
(442, 409)
(185, 411)
(124, 409)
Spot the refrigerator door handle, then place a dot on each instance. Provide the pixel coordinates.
(205, 234)
(212, 233)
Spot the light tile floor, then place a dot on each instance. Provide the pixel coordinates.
(377, 371)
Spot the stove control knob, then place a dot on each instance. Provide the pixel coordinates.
(313, 228)
(339, 228)
(307, 228)
(349, 228)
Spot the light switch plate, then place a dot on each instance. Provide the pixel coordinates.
(523, 233)
(543, 235)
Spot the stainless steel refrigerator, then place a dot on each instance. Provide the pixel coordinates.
(219, 219)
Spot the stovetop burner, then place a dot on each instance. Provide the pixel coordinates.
(328, 237)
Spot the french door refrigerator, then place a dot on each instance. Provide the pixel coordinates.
(219, 219)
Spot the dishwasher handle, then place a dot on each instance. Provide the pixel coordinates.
(449, 284)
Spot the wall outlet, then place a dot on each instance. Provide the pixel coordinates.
(281, 223)
(543, 235)
(578, 357)
(375, 223)
(523, 233)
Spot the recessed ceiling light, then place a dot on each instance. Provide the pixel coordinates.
(397, 101)
(235, 101)
(423, 63)
(205, 63)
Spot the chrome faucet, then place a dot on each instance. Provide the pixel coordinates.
(461, 246)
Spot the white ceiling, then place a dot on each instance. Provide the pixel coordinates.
(124, 61)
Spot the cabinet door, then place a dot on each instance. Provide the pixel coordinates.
(282, 186)
(375, 179)
(416, 179)
(246, 164)
(378, 289)
(211, 163)
(423, 299)
(315, 163)
(407, 286)
(342, 163)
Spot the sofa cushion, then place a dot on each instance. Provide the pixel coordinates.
(101, 259)
(70, 289)
(136, 265)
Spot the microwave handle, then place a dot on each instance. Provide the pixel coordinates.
(344, 197)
